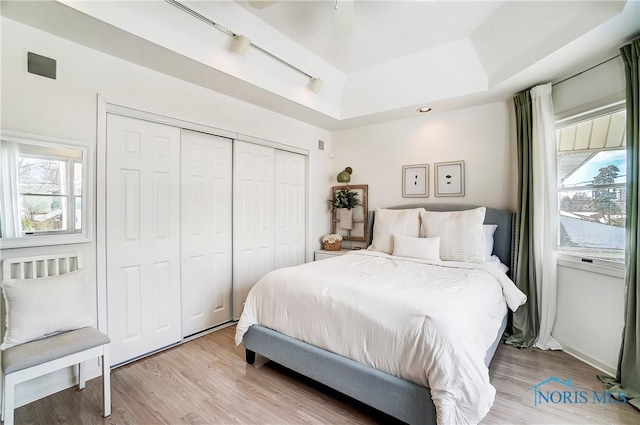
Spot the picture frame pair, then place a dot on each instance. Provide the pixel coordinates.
(449, 179)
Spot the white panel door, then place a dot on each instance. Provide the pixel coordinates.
(143, 236)
(206, 230)
(290, 184)
(253, 220)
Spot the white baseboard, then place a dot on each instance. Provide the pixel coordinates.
(574, 352)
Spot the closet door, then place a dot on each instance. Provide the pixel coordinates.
(290, 200)
(143, 236)
(205, 231)
(253, 220)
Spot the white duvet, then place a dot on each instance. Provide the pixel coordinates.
(429, 323)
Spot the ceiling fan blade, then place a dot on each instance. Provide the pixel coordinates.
(261, 4)
(342, 19)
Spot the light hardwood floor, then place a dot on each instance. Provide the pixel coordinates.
(206, 381)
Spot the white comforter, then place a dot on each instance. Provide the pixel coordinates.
(430, 323)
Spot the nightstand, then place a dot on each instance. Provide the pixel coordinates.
(324, 254)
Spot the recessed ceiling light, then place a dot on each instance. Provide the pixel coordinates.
(424, 109)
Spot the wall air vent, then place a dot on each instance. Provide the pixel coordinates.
(41, 65)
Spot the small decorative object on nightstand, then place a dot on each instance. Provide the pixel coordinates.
(332, 242)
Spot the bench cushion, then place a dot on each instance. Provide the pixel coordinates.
(51, 348)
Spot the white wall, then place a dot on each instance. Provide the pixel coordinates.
(66, 108)
(482, 136)
(589, 319)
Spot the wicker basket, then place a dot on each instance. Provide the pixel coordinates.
(336, 246)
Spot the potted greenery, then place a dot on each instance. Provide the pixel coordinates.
(344, 201)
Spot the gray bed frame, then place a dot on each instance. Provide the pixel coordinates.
(396, 397)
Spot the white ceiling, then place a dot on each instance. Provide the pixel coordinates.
(382, 30)
(402, 54)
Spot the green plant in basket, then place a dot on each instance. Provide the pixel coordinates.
(346, 198)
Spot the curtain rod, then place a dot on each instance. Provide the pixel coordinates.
(232, 34)
(588, 69)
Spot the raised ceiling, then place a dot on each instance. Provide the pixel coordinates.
(401, 55)
(381, 30)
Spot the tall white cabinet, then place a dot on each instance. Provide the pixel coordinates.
(193, 221)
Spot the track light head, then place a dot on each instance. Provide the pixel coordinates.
(240, 44)
(315, 84)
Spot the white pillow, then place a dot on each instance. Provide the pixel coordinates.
(487, 240)
(389, 222)
(460, 233)
(422, 248)
(40, 307)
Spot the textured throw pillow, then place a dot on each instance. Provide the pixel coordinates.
(488, 231)
(460, 233)
(389, 222)
(40, 307)
(422, 248)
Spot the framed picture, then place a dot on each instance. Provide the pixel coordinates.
(415, 181)
(449, 177)
(357, 229)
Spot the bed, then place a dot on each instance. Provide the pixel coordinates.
(384, 385)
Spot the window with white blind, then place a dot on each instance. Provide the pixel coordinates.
(591, 184)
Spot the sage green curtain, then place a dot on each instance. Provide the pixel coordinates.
(628, 373)
(525, 325)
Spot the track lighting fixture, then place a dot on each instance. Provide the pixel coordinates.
(241, 43)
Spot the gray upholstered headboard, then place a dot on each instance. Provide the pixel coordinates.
(503, 239)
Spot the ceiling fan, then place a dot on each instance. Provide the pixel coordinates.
(342, 15)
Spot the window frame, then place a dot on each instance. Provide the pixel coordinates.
(70, 235)
(583, 261)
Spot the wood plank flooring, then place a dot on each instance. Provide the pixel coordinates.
(206, 381)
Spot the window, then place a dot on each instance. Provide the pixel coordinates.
(592, 167)
(44, 190)
(50, 190)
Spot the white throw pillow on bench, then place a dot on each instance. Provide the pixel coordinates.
(37, 308)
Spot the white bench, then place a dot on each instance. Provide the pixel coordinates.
(33, 359)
